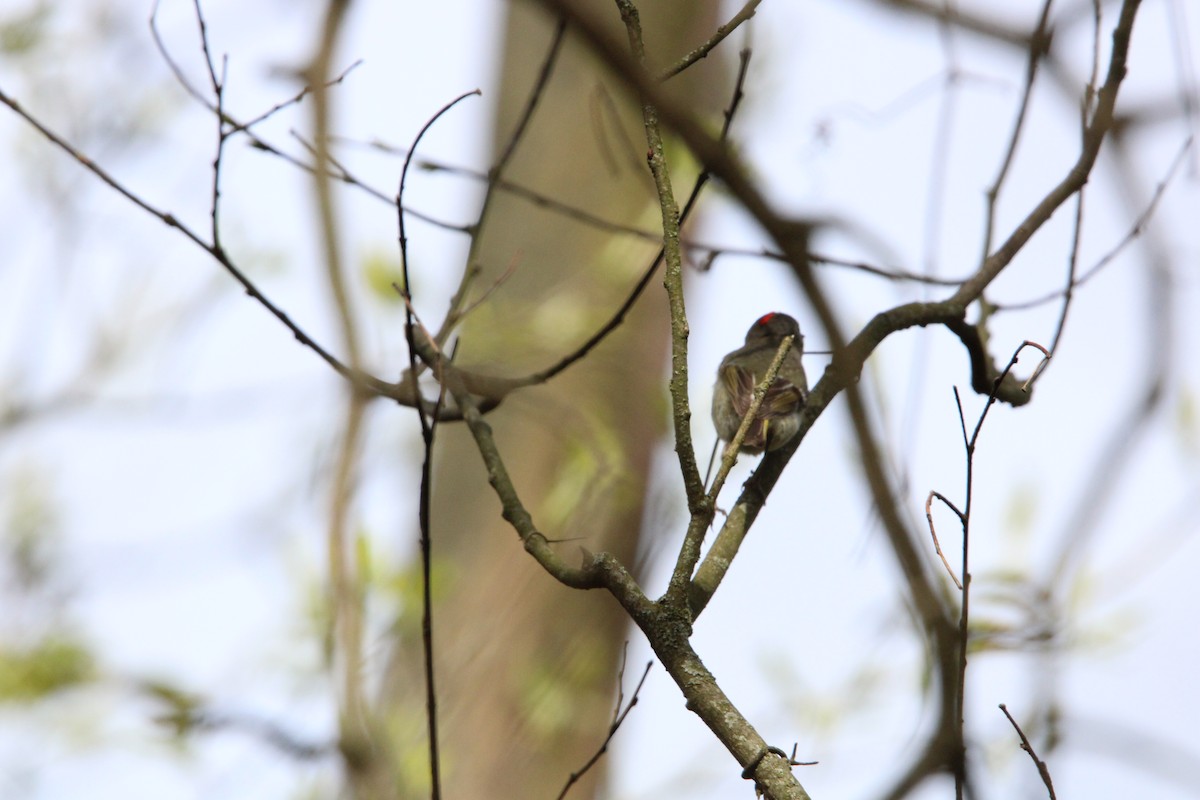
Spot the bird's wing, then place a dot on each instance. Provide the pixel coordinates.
(782, 398)
(739, 383)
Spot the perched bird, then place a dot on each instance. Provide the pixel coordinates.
(778, 418)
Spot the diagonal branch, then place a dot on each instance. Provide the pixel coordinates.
(744, 14)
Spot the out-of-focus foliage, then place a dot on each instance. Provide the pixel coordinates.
(50, 665)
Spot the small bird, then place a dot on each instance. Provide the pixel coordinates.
(778, 418)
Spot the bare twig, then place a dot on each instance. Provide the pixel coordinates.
(970, 442)
(256, 141)
(424, 511)
(400, 210)
(1068, 292)
(496, 284)
(1135, 231)
(1043, 770)
(413, 359)
(494, 178)
(992, 397)
(235, 126)
(939, 163)
(932, 532)
(1077, 234)
(531, 104)
(1039, 44)
(172, 64)
(711, 251)
(427, 431)
(345, 176)
(244, 127)
(745, 13)
(598, 571)
(619, 715)
(217, 84)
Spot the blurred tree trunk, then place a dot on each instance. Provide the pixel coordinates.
(527, 667)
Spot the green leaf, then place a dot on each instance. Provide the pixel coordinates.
(51, 665)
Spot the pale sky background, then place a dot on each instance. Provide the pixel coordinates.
(185, 564)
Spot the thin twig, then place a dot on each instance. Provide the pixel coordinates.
(424, 518)
(217, 84)
(172, 221)
(711, 251)
(173, 65)
(619, 715)
(333, 166)
(970, 443)
(244, 127)
(958, 754)
(256, 141)
(348, 178)
(597, 571)
(427, 430)
(1092, 89)
(498, 388)
(1012, 362)
(746, 12)
(1042, 769)
(786, 230)
(1039, 42)
(939, 159)
(494, 177)
(403, 234)
(403, 392)
(509, 271)
(235, 126)
(1068, 292)
(1134, 232)
(535, 96)
(932, 532)
(1077, 234)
